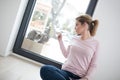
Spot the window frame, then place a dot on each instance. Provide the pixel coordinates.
(17, 49)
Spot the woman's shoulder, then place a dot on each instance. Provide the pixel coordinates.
(96, 42)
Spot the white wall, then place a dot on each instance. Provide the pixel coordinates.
(107, 12)
(11, 13)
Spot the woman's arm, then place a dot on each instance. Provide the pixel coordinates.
(62, 47)
(93, 63)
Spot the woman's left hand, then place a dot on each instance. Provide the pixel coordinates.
(84, 78)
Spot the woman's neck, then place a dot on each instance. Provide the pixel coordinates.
(86, 35)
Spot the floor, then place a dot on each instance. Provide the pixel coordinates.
(15, 68)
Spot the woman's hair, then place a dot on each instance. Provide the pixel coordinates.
(93, 24)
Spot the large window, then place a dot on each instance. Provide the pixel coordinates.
(42, 21)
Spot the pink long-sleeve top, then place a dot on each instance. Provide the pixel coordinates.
(81, 56)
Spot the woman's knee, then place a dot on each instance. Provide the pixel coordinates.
(46, 68)
(43, 69)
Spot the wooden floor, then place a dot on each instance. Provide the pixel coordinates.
(15, 68)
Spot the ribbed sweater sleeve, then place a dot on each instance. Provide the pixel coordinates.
(93, 63)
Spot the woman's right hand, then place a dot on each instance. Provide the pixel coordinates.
(59, 36)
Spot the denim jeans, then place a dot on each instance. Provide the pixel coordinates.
(49, 72)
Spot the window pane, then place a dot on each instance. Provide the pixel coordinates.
(49, 18)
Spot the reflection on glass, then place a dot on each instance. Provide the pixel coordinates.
(49, 18)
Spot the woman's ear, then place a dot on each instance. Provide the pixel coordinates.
(86, 26)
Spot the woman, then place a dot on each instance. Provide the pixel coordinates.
(81, 53)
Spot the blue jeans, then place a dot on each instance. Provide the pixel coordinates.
(49, 72)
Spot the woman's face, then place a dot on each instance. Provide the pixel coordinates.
(79, 28)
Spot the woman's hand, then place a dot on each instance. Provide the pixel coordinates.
(59, 36)
(84, 78)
